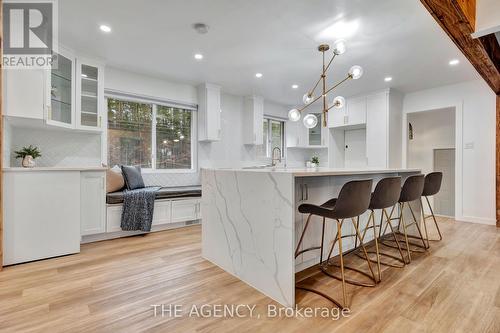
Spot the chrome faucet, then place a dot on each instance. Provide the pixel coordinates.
(274, 158)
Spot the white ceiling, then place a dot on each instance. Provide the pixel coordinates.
(278, 38)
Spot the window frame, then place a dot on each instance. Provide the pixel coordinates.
(154, 103)
(268, 144)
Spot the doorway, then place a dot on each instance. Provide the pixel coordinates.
(431, 147)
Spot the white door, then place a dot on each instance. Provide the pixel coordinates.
(444, 201)
(355, 148)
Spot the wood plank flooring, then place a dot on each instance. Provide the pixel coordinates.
(110, 287)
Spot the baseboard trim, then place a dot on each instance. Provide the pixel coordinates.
(477, 220)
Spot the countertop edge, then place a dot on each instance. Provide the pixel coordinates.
(45, 169)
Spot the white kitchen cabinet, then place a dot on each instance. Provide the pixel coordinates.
(209, 112)
(300, 136)
(163, 212)
(61, 90)
(25, 93)
(377, 136)
(70, 95)
(41, 215)
(352, 115)
(185, 210)
(253, 116)
(90, 95)
(379, 114)
(93, 202)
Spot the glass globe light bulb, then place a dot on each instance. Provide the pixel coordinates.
(294, 115)
(307, 98)
(356, 72)
(339, 102)
(310, 121)
(339, 47)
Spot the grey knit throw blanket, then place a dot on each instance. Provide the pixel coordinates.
(138, 208)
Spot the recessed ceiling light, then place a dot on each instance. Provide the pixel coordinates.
(295, 86)
(105, 28)
(388, 79)
(454, 62)
(198, 56)
(258, 75)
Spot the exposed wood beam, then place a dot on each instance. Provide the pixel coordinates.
(453, 18)
(468, 8)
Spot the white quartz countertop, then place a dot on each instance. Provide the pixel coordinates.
(44, 169)
(311, 172)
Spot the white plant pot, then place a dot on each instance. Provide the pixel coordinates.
(28, 162)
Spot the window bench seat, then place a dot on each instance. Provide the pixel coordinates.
(175, 207)
(164, 193)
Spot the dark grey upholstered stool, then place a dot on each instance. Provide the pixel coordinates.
(353, 200)
(412, 190)
(385, 195)
(432, 185)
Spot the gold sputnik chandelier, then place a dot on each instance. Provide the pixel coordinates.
(355, 72)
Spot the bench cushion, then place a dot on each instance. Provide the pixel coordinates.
(163, 193)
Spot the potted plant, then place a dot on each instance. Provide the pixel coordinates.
(315, 161)
(28, 154)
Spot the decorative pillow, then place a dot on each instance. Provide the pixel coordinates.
(114, 180)
(133, 177)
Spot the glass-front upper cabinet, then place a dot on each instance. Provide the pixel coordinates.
(315, 132)
(61, 101)
(90, 94)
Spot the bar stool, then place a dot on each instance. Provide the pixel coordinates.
(353, 200)
(385, 195)
(412, 190)
(432, 185)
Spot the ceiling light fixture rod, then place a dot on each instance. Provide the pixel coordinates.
(349, 76)
(324, 72)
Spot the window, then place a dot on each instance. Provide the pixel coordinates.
(150, 135)
(273, 136)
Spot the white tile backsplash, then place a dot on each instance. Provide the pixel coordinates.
(59, 148)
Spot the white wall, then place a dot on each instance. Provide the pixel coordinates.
(476, 143)
(229, 152)
(149, 86)
(434, 129)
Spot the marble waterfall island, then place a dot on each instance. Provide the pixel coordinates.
(251, 223)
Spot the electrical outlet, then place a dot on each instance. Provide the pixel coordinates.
(469, 145)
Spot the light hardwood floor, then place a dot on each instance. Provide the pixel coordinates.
(110, 287)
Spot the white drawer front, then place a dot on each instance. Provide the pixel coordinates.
(185, 210)
(162, 212)
(114, 217)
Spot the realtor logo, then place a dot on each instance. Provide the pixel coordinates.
(29, 33)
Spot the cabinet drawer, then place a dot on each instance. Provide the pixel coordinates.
(185, 210)
(162, 213)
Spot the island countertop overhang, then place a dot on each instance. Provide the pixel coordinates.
(313, 172)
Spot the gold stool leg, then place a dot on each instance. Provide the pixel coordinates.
(394, 234)
(425, 222)
(401, 222)
(418, 227)
(434, 218)
(376, 242)
(297, 250)
(339, 238)
(364, 250)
